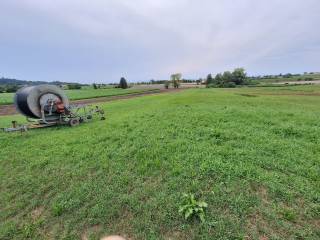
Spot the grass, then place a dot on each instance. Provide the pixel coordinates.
(7, 98)
(279, 90)
(254, 161)
(304, 77)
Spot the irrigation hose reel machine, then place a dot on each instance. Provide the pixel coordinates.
(47, 105)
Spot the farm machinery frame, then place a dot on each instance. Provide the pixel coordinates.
(47, 105)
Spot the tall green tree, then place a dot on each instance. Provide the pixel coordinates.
(209, 80)
(239, 76)
(218, 79)
(176, 78)
(123, 83)
(227, 77)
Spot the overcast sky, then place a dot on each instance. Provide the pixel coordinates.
(103, 40)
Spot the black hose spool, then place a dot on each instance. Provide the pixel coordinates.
(28, 100)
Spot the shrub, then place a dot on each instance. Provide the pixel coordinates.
(212, 85)
(228, 85)
(222, 85)
(309, 79)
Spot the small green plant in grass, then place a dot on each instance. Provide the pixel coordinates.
(191, 207)
(28, 230)
(289, 215)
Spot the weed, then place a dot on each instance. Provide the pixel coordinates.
(57, 209)
(288, 214)
(28, 230)
(190, 207)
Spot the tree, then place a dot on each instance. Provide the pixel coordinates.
(74, 86)
(218, 79)
(209, 80)
(166, 84)
(12, 88)
(227, 77)
(123, 83)
(175, 78)
(176, 84)
(239, 76)
(288, 75)
(95, 86)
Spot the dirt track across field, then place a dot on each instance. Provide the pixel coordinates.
(10, 109)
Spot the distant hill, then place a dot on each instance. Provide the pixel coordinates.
(12, 81)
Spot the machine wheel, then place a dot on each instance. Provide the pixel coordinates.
(74, 122)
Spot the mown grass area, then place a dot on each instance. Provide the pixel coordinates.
(7, 98)
(254, 160)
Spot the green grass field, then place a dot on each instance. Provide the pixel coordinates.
(304, 77)
(7, 98)
(252, 156)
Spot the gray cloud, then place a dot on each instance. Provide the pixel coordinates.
(101, 40)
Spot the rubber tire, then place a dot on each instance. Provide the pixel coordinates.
(74, 122)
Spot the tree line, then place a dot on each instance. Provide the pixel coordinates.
(227, 79)
(9, 88)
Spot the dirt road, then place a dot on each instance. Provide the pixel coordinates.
(10, 109)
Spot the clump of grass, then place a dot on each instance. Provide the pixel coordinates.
(193, 208)
(288, 214)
